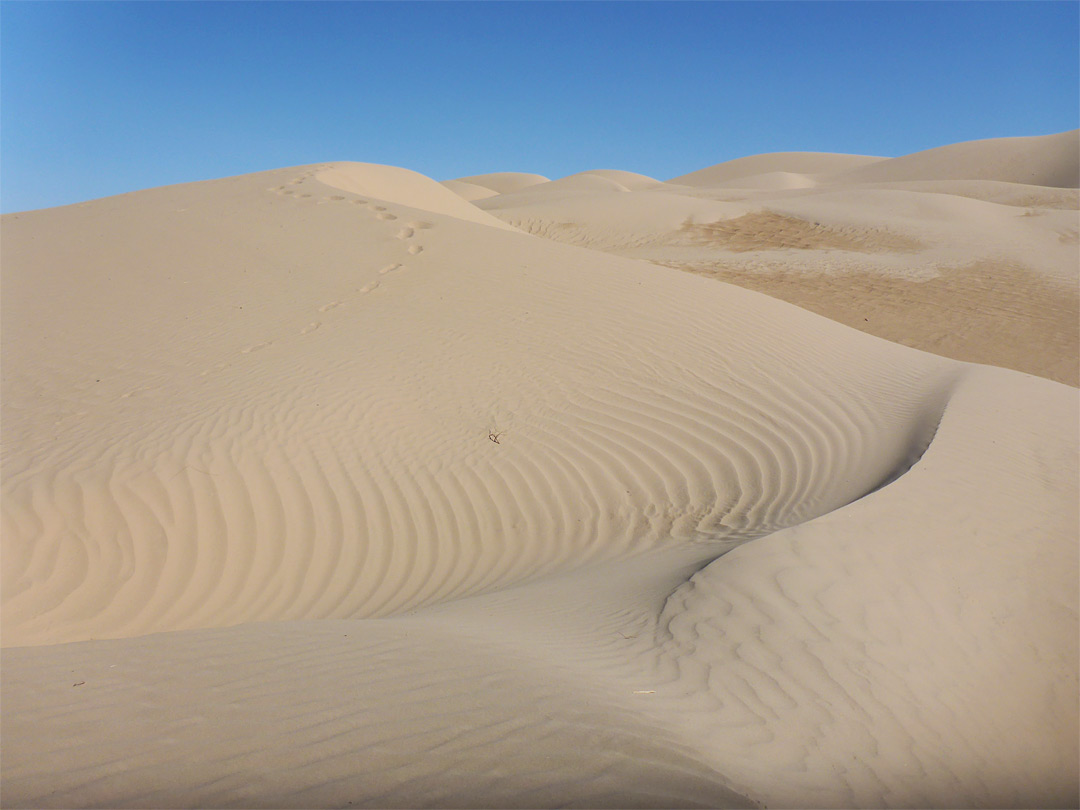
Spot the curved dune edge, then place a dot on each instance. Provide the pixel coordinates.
(327, 458)
(760, 679)
(503, 182)
(1041, 160)
(401, 186)
(468, 191)
(728, 551)
(799, 163)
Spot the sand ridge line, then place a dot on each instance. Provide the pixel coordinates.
(808, 551)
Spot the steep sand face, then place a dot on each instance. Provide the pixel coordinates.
(320, 490)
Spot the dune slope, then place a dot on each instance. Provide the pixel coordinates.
(317, 497)
(968, 251)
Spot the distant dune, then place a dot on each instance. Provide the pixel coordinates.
(503, 182)
(468, 191)
(968, 251)
(787, 162)
(328, 486)
(1046, 160)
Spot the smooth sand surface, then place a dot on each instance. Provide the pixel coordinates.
(326, 487)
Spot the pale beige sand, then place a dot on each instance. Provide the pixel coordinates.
(468, 191)
(503, 182)
(952, 251)
(1045, 160)
(324, 487)
(797, 163)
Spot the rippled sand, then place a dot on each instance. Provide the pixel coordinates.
(334, 486)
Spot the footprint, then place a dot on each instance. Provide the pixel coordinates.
(305, 195)
(420, 226)
(311, 327)
(369, 287)
(405, 233)
(386, 216)
(389, 268)
(330, 306)
(377, 207)
(255, 348)
(359, 202)
(414, 249)
(337, 198)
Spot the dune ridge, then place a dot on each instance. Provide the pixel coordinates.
(332, 488)
(1041, 160)
(796, 163)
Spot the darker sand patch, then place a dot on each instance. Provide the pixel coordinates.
(766, 230)
(986, 312)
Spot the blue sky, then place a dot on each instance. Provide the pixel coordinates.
(103, 98)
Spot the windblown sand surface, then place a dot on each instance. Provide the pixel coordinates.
(968, 251)
(336, 486)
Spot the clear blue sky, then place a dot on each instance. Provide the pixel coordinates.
(102, 98)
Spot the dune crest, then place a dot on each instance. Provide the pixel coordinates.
(872, 242)
(468, 191)
(402, 186)
(1041, 160)
(504, 182)
(786, 162)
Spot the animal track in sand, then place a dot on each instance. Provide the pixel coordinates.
(386, 216)
(369, 287)
(388, 269)
(311, 327)
(330, 306)
(255, 348)
(405, 233)
(414, 249)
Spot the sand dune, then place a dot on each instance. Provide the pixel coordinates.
(1045, 160)
(800, 163)
(945, 250)
(504, 182)
(468, 191)
(391, 184)
(324, 487)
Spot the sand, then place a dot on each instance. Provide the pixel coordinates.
(336, 486)
(952, 250)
